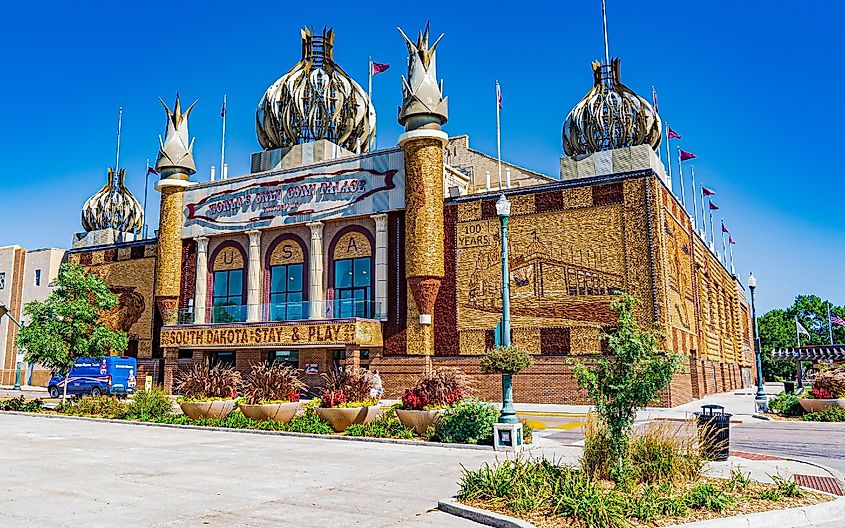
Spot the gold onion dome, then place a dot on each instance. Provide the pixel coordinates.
(315, 100)
(610, 116)
(113, 207)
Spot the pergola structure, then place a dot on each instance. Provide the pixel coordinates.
(815, 353)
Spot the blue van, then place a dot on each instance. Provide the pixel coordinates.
(108, 375)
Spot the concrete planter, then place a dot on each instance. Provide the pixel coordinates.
(341, 418)
(813, 405)
(276, 412)
(208, 409)
(419, 421)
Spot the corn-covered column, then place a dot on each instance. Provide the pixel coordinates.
(175, 164)
(423, 112)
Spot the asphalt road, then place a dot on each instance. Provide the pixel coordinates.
(68, 473)
(822, 443)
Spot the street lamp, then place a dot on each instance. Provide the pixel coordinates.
(760, 399)
(5, 311)
(508, 415)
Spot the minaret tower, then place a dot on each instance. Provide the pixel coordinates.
(175, 164)
(423, 112)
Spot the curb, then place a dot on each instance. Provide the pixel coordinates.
(398, 441)
(485, 517)
(794, 517)
(807, 516)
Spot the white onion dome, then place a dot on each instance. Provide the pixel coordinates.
(113, 207)
(315, 100)
(610, 116)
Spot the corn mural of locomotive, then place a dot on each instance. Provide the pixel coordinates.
(564, 267)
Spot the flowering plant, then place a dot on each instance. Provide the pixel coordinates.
(441, 388)
(333, 398)
(820, 394)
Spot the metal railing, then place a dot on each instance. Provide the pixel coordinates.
(291, 311)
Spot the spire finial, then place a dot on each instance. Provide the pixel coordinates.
(604, 21)
(119, 124)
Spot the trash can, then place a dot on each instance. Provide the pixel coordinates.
(789, 387)
(714, 430)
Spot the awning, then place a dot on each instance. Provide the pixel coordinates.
(811, 353)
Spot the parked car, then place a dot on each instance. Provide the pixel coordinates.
(108, 375)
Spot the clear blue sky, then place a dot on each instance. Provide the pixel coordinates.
(751, 87)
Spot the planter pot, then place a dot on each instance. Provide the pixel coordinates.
(208, 409)
(419, 421)
(813, 405)
(340, 418)
(277, 412)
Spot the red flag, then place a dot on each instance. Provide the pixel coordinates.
(151, 170)
(713, 206)
(654, 99)
(673, 134)
(731, 239)
(686, 155)
(707, 192)
(724, 229)
(379, 68)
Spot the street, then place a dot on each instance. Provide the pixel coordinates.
(53, 475)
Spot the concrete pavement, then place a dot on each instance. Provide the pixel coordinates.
(70, 473)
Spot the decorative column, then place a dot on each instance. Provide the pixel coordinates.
(171, 365)
(175, 164)
(381, 265)
(422, 113)
(201, 280)
(316, 295)
(253, 288)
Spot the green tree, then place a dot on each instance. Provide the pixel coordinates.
(777, 330)
(69, 324)
(629, 381)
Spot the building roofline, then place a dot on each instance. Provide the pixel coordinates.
(115, 245)
(488, 156)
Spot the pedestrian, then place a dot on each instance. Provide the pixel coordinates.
(376, 387)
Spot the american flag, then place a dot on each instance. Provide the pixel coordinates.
(835, 319)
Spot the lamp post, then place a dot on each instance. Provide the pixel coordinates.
(5, 311)
(760, 399)
(508, 415)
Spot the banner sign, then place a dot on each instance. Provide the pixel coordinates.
(363, 185)
(343, 332)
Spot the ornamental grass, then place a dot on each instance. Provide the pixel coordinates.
(268, 383)
(216, 383)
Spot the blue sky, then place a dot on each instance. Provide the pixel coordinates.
(751, 87)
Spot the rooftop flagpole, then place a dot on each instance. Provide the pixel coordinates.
(370, 97)
(223, 140)
(604, 22)
(681, 180)
(117, 155)
(829, 322)
(694, 199)
(499, 131)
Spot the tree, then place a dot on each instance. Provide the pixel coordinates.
(777, 330)
(631, 380)
(69, 324)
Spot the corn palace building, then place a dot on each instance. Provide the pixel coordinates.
(329, 253)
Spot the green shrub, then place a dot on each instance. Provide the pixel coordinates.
(387, 425)
(468, 421)
(786, 404)
(788, 487)
(505, 360)
(96, 406)
(150, 405)
(706, 496)
(21, 404)
(309, 422)
(832, 414)
(527, 432)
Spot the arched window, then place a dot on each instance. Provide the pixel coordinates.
(287, 283)
(228, 292)
(352, 273)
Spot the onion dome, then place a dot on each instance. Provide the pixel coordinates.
(113, 207)
(315, 100)
(610, 116)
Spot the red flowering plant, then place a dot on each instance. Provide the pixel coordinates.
(820, 394)
(438, 389)
(348, 387)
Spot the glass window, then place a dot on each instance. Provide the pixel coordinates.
(288, 358)
(227, 299)
(353, 287)
(286, 292)
(38, 277)
(2, 280)
(224, 359)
